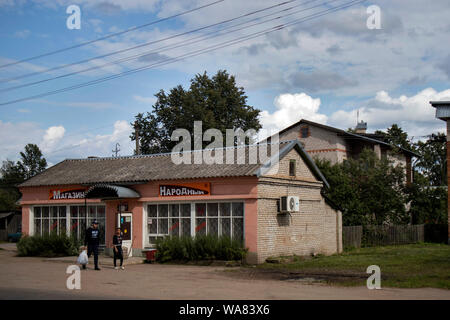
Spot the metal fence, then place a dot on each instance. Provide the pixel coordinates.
(355, 236)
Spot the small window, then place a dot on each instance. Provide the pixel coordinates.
(304, 132)
(292, 168)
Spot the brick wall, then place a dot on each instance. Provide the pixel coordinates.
(316, 228)
(320, 143)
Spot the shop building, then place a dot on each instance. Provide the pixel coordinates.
(275, 208)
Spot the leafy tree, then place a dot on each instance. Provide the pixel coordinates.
(216, 101)
(12, 174)
(428, 204)
(432, 162)
(368, 190)
(397, 137)
(32, 162)
(10, 177)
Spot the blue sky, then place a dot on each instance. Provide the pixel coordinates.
(323, 70)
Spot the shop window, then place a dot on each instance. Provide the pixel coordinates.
(79, 224)
(292, 167)
(50, 219)
(208, 218)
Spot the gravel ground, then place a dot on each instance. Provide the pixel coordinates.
(37, 278)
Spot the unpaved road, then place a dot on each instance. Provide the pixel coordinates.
(33, 278)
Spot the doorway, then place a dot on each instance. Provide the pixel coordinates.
(125, 221)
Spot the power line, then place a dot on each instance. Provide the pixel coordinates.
(191, 54)
(149, 43)
(209, 35)
(110, 35)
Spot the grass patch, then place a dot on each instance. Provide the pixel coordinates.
(405, 266)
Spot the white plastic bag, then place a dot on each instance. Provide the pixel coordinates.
(83, 258)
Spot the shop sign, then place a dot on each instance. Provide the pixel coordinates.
(185, 189)
(62, 194)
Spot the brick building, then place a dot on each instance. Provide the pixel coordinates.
(337, 145)
(150, 196)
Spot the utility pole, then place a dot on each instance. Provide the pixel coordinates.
(116, 150)
(136, 133)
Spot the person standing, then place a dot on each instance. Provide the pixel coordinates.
(118, 253)
(92, 241)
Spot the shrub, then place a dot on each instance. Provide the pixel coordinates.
(51, 245)
(199, 248)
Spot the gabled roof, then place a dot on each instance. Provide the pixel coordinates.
(348, 135)
(152, 167)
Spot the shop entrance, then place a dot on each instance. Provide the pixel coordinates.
(125, 221)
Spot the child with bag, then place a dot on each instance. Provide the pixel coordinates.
(83, 258)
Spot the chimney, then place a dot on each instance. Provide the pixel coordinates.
(361, 127)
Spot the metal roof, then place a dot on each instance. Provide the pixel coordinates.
(442, 109)
(107, 191)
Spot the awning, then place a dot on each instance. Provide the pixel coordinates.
(110, 192)
(5, 214)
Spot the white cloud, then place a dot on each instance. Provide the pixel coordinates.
(56, 145)
(22, 34)
(290, 108)
(146, 100)
(414, 114)
(51, 138)
(15, 136)
(82, 146)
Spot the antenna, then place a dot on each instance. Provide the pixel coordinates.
(116, 150)
(357, 116)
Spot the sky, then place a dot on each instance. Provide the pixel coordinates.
(323, 66)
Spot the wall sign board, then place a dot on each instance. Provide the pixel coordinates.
(61, 194)
(185, 189)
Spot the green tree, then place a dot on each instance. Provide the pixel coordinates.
(12, 174)
(428, 204)
(368, 190)
(397, 137)
(432, 160)
(10, 177)
(32, 162)
(216, 101)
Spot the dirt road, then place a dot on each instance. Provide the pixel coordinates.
(34, 278)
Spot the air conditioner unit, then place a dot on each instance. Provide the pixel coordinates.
(289, 204)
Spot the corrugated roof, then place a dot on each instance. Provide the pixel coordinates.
(143, 168)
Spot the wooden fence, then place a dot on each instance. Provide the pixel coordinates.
(351, 236)
(354, 236)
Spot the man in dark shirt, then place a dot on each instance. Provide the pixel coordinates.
(92, 241)
(117, 244)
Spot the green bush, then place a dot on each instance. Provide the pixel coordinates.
(199, 248)
(51, 245)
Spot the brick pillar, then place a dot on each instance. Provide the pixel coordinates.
(448, 177)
